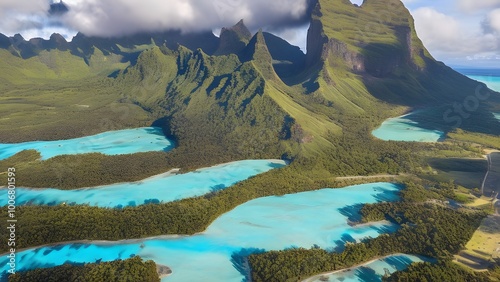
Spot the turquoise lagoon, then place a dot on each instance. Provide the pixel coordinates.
(490, 77)
(118, 142)
(161, 188)
(373, 271)
(493, 82)
(404, 129)
(270, 223)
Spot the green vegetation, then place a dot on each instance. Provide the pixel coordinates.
(65, 109)
(488, 140)
(224, 108)
(426, 228)
(443, 271)
(468, 173)
(133, 269)
(354, 157)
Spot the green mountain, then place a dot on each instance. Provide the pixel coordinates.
(249, 96)
(242, 97)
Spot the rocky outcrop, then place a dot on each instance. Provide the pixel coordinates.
(57, 9)
(363, 55)
(234, 39)
(337, 49)
(316, 40)
(320, 47)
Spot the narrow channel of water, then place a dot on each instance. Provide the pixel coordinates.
(271, 223)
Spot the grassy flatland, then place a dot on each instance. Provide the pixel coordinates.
(484, 246)
(489, 140)
(480, 202)
(65, 109)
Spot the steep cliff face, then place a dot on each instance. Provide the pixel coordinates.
(375, 38)
(316, 40)
(377, 43)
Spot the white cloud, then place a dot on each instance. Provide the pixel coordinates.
(476, 5)
(118, 17)
(32, 6)
(493, 20)
(437, 30)
(22, 15)
(121, 17)
(446, 35)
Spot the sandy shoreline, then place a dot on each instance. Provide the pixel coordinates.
(367, 224)
(139, 240)
(274, 161)
(163, 270)
(102, 242)
(171, 172)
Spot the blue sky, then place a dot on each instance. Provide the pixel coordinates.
(458, 32)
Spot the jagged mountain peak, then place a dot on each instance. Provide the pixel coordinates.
(234, 39)
(242, 30)
(58, 8)
(257, 51)
(256, 48)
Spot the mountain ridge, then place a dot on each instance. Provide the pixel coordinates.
(359, 63)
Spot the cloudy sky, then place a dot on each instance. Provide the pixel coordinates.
(458, 32)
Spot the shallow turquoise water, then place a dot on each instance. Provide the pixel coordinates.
(493, 82)
(404, 129)
(161, 188)
(375, 270)
(118, 142)
(270, 223)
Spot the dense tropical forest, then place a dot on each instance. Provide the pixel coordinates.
(226, 105)
(442, 271)
(351, 156)
(133, 269)
(426, 229)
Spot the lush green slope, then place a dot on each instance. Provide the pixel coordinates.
(362, 66)
(356, 54)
